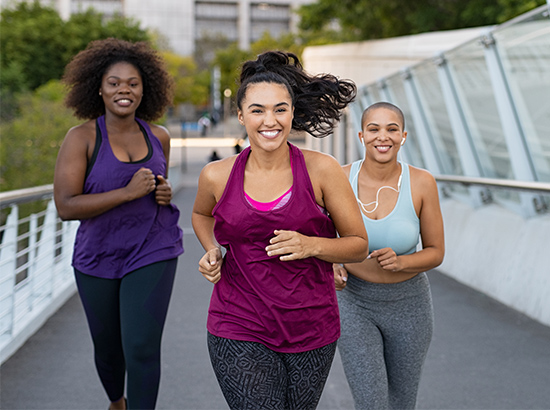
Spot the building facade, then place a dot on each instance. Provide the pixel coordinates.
(185, 23)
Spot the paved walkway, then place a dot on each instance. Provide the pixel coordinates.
(483, 355)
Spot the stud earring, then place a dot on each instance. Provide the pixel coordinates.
(100, 93)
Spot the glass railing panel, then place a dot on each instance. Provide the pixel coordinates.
(480, 110)
(437, 117)
(374, 93)
(524, 49)
(396, 88)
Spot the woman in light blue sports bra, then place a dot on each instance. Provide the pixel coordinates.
(385, 301)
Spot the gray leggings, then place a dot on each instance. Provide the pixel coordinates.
(386, 332)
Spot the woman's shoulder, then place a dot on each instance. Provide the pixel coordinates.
(316, 160)
(83, 133)
(422, 178)
(217, 171)
(162, 133)
(347, 169)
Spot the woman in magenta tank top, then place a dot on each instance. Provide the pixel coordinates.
(111, 174)
(275, 211)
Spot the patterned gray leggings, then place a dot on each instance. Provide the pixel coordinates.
(386, 332)
(251, 376)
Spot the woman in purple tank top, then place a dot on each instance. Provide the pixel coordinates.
(275, 211)
(111, 174)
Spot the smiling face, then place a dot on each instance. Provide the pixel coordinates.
(382, 134)
(267, 114)
(121, 89)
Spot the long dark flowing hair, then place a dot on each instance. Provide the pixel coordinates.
(318, 100)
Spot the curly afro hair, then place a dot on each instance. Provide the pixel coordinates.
(85, 72)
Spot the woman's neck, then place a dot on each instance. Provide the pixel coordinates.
(269, 161)
(381, 172)
(120, 124)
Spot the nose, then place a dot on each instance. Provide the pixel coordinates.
(124, 89)
(383, 135)
(269, 119)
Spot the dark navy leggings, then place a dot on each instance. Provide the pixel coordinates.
(251, 376)
(126, 318)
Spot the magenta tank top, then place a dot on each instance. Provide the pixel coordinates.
(134, 234)
(288, 306)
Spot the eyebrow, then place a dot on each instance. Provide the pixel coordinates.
(375, 124)
(119, 78)
(263, 106)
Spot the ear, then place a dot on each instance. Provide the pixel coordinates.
(240, 117)
(404, 137)
(360, 135)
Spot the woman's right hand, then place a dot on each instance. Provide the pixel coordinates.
(210, 265)
(141, 184)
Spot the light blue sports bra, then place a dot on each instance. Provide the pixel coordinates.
(400, 230)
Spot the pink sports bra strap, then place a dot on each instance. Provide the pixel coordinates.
(268, 206)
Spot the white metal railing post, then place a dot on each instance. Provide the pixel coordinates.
(32, 291)
(8, 263)
(46, 251)
(33, 233)
(354, 149)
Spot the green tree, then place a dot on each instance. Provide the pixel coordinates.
(192, 85)
(230, 60)
(349, 20)
(31, 141)
(32, 41)
(36, 44)
(287, 42)
(89, 25)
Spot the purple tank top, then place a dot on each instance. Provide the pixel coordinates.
(134, 234)
(288, 306)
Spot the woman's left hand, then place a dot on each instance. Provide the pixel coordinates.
(163, 192)
(387, 259)
(290, 245)
(340, 276)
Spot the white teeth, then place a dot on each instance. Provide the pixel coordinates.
(270, 133)
(123, 101)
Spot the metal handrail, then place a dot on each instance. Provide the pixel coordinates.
(541, 187)
(25, 195)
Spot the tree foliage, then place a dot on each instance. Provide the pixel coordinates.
(192, 85)
(30, 142)
(32, 44)
(36, 44)
(327, 21)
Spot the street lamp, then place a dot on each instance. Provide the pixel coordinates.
(226, 107)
